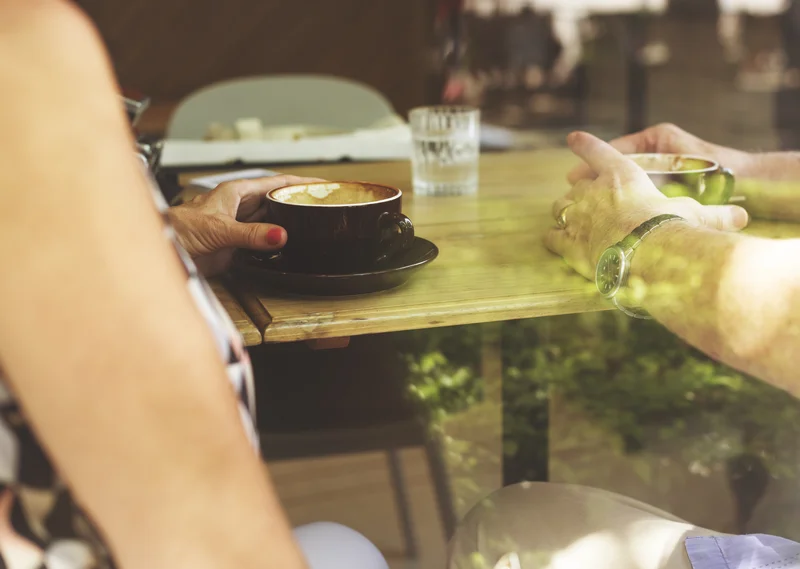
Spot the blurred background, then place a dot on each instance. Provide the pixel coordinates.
(549, 65)
(399, 435)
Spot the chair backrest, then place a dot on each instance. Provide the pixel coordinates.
(280, 100)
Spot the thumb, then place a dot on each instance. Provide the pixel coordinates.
(256, 236)
(724, 217)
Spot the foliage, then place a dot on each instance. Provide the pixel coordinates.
(633, 378)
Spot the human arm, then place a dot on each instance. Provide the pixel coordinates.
(735, 297)
(768, 182)
(109, 357)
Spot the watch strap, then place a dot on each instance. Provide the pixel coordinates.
(638, 313)
(632, 241)
(629, 245)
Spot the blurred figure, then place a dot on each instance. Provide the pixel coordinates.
(730, 28)
(567, 28)
(526, 46)
(765, 71)
(572, 28)
(790, 33)
(787, 99)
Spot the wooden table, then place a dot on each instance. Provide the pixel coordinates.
(492, 264)
(493, 267)
(252, 335)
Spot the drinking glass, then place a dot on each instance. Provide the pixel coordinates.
(446, 151)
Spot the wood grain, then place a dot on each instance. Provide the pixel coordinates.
(252, 335)
(492, 265)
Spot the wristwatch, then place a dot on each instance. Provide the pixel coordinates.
(614, 266)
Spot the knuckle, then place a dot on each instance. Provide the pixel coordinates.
(615, 181)
(285, 180)
(551, 240)
(668, 127)
(251, 233)
(716, 221)
(226, 188)
(663, 136)
(216, 230)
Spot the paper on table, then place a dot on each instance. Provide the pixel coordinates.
(211, 182)
(393, 143)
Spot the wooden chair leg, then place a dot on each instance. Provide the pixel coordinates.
(441, 485)
(402, 502)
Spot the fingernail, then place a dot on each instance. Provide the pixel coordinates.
(740, 218)
(571, 137)
(275, 236)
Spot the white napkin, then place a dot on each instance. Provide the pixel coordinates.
(208, 183)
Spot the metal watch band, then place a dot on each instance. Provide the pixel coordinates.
(632, 241)
(629, 245)
(638, 313)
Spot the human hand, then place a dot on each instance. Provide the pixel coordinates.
(212, 225)
(670, 139)
(614, 199)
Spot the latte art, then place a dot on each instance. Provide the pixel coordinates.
(332, 194)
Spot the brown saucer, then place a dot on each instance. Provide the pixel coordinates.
(271, 273)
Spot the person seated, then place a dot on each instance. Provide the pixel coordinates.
(736, 297)
(126, 394)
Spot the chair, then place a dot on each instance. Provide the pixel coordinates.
(280, 100)
(322, 403)
(389, 439)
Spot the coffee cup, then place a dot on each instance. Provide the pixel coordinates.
(337, 227)
(681, 175)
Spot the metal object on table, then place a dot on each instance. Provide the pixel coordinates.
(134, 108)
(148, 151)
(151, 153)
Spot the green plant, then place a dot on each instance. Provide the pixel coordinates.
(633, 378)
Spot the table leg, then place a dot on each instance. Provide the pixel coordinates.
(473, 438)
(492, 372)
(526, 428)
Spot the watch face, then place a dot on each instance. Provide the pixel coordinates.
(610, 271)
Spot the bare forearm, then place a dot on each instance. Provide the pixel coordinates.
(130, 398)
(734, 297)
(770, 184)
(772, 166)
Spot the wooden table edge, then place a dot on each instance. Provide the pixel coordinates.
(275, 333)
(250, 303)
(250, 332)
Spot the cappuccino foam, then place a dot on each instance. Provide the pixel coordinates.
(669, 163)
(332, 194)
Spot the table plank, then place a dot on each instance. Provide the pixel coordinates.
(251, 334)
(492, 264)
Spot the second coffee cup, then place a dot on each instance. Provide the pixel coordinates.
(340, 227)
(680, 175)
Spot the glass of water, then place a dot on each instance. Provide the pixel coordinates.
(446, 150)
